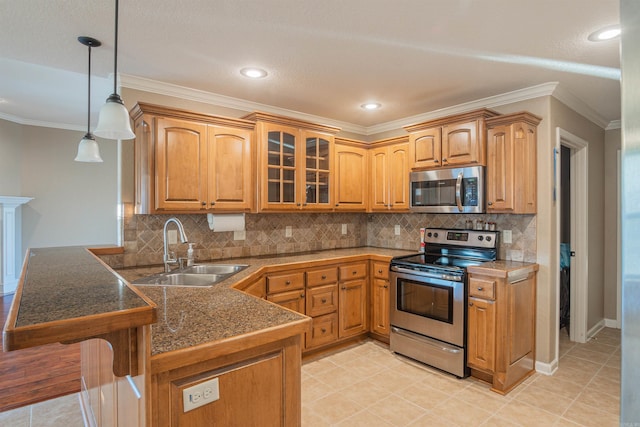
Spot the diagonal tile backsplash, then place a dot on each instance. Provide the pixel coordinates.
(265, 234)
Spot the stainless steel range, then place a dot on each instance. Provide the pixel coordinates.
(429, 296)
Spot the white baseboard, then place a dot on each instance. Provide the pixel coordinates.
(612, 323)
(547, 368)
(597, 328)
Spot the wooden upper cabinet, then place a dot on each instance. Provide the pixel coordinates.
(181, 164)
(295, 163)
(511, 173)
(389, 177)
(449, 141)
(351, 177)
(229, 161)
(191, 162)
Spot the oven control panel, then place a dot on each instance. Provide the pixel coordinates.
(472, 238)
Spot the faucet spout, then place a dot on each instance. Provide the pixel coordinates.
(167, 257)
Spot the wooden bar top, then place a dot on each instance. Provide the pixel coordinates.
(66, 295)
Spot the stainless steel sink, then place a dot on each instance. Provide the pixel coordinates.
(215, 268)
(202, 275)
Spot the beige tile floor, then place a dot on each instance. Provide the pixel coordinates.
(61, 412)
(367, 385)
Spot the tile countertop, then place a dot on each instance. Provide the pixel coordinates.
(190, 316)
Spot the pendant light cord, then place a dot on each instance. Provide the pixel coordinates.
(115, 53)
(89, 94)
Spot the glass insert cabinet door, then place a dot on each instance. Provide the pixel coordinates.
(317, 172)
(281, 167)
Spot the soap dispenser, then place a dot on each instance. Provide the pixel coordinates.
(190, 255)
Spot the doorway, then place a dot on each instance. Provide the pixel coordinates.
(572, 223)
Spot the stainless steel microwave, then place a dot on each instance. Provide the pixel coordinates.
(459, 190)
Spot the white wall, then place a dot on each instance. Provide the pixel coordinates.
(75, 203)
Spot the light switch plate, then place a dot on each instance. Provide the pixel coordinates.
(200, 394)
(344, 228)
(239, 235)
(172, 237)
(397, 230)
(288, 231)
(506, 236)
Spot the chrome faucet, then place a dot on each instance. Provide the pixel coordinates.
(168, 257)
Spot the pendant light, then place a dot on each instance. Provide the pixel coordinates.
(88, 150)
(113, 122)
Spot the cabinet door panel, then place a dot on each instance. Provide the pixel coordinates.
(279, 167)
(380, 309)
(500, 162)
(293, 300)
(318, 164)
(425, 148)
(481, 334)
(379, 179)
(180, 165)
(399, 176)
(353, 310)
(460, 144)
(229, 152)
(324, 330)
(322, 300)
(351, 178)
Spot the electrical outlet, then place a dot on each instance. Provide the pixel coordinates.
(172, 237)
(344, 228)
(239, 235)
(200, 394)
(396, 230)
(506, 236)
(288, 231)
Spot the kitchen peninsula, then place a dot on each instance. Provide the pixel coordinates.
(250, 347)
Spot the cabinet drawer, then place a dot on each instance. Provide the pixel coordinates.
(482, 288)
(285, 282)
(353, 271)
(324, 330)
(381, 270)
(322, 300)
(322, 277)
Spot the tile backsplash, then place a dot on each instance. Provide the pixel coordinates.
(265, 234)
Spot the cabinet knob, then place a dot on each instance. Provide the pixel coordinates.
(489, 203)
(287, 283)
(470, 304)
(390, 205)
(204, 203)
(213, 203)
(324, 277)
(302, 295)
(324, 300)
(386, 286)
(344, 288)
(323, 330)
(435, 160)
(354, 272)
(480, 288)
(304, 204)
(297, 204)
(337, 204)
(380, 271)
(444, 160)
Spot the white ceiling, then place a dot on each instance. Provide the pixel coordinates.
(324, 58)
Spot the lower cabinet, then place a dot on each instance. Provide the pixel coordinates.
(353, 300)
(501, 324)
(380, 323)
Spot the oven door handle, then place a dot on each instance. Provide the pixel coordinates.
(424, 340)
(459, 191)
(425, 274)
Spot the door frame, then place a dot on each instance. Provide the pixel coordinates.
(579, 235)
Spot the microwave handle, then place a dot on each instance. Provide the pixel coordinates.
(459, 191)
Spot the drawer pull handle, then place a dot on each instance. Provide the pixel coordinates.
(324, 277)
(470, 304)
(301, 295)
(354, 272)
(324, 300)
(344, 288)
(287, 283)
(480, 288)
(386, 286)
(323, 330)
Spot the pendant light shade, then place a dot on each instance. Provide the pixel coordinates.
(114, 122)
(88, 150)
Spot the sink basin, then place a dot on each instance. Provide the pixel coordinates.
(197, 275)
(215, 268)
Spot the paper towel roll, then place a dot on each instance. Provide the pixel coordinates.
(226, 222)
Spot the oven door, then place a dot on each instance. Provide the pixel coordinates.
(430, 306)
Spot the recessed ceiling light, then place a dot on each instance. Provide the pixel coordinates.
(606, 33)
(253, 73)
(371, 106)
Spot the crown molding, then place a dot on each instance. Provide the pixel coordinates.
(39, 123)
(537, 91)
(614, 124)
(577, 105)
(154, 86)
